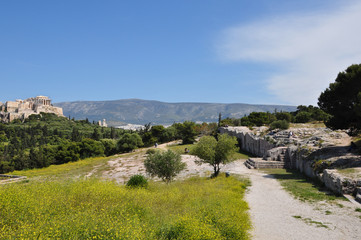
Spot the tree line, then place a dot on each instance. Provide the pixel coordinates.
(303, 114)
(47, 139)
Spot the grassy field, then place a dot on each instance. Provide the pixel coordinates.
(68, 170)
(301, 187)
(93, 209)
(179, 148)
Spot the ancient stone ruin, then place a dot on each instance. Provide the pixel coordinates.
(22, 109)
(316, 152)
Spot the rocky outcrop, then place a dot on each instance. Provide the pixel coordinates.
(301, 150)
(340, 184)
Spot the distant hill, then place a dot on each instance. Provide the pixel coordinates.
(137, 111)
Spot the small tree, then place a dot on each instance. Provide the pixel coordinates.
(214, 152)
(164, 165)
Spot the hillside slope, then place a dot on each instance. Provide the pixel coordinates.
(137, 111)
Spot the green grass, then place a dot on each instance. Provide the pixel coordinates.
(309, 221)
(68, 170)
(301, 187)
(179, 148)
(240, 155)
(358, 209)
(92, 209)
(350, 172)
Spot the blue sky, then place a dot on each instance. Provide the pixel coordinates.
(233, 51)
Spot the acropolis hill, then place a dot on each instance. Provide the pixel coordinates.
(22, 109)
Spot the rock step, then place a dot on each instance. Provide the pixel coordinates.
(249, 163)
(258, 163)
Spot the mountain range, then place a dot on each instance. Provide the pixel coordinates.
(138, 111)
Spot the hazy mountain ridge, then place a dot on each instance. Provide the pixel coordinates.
(138, 111)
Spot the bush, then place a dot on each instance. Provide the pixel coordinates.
(284, 116)
(150, 151)
(280, 124)
(137, 181)
(6, 167)
(320, 165)
(303, 117)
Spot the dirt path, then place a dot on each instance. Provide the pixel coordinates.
(275, 214)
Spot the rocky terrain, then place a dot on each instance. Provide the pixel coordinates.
(317, 152)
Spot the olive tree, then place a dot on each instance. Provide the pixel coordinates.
(165, 165)
(214, 152)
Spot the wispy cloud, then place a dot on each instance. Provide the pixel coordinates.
(307, 50)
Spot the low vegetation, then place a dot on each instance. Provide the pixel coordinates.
(137, 181)
(94, 209)
(309, 221)
(301, 187)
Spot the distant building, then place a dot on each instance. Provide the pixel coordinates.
(22, 109)
(102, 124)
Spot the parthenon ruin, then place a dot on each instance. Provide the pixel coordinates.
(22, 109)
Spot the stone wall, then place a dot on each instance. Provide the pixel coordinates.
(338, 183)
(248, 141)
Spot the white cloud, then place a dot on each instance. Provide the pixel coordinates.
(308, 50)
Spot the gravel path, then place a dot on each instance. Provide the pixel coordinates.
(275, 214)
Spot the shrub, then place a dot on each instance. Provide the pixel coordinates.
(280, 124)
(284, 116)
(137, 181)
(150, 151)
(303, 117)
(320, 165)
